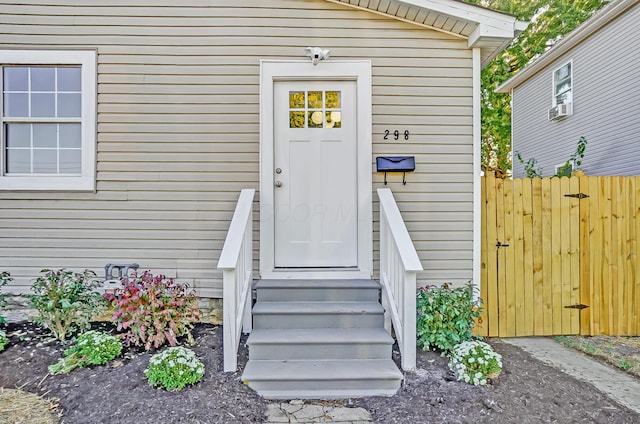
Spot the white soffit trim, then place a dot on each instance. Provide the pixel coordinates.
(488, 29)
(600, 19)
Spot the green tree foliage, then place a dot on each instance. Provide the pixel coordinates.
(549, 21)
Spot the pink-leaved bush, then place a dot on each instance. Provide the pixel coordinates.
(154, 310)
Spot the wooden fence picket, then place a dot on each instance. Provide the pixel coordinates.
(584, 258)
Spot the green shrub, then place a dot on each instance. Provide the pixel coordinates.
(65, 300)
(475, 362)
(174, 369)
(5, 278)
(4, 341)
(91, 348)
(154, 310)
(446, 316)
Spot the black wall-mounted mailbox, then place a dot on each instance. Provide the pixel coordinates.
(395, 164)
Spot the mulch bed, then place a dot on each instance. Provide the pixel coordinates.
(527, 391)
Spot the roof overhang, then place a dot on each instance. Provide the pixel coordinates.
(487, 29)
(584, 31)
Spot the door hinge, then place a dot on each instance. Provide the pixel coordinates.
(577, 195)
(577, 306)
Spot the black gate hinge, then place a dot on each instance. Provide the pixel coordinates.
(577, 306)
(577, 195)
(499, 245)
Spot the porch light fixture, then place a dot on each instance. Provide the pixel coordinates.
(317, 54)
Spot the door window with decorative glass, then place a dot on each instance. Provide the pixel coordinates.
(48, 122)
(314, 109)
(563, 84)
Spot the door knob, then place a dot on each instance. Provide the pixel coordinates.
(278, 183)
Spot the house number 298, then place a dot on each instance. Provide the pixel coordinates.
(396, 134)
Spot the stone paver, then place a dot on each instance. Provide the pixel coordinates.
(298, 411)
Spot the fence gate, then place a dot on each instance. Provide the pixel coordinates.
(530, 253)
(560, 256)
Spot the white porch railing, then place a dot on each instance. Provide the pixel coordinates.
(236, 262)
(399, 264)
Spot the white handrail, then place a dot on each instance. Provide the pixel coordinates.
(236, 263)
(399, 264)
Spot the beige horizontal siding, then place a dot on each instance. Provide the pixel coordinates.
(178, 125)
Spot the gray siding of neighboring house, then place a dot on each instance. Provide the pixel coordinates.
(606, 105)
(178, 123)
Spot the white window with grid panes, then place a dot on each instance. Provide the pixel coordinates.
(48, 117)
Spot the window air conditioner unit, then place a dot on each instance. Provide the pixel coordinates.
(560, 111)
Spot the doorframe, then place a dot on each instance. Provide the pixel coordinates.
(359, 71)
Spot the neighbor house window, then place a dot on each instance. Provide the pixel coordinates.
(565, 169)
(48, 120)
(563, 84)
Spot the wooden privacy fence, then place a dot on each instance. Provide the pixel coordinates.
(560, 256)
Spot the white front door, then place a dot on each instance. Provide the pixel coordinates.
(315, 174)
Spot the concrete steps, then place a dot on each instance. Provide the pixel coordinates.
(312, 290)
(320, 339)
(318, 314)
(321, 343)
(325, 379)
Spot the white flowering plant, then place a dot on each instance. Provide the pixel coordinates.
(475, 362)
(174, 368)
(91, 348)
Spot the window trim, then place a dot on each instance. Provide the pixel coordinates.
(554, 96)
(557, 168)
(86, 181)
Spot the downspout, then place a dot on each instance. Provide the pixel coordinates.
(477, 169)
